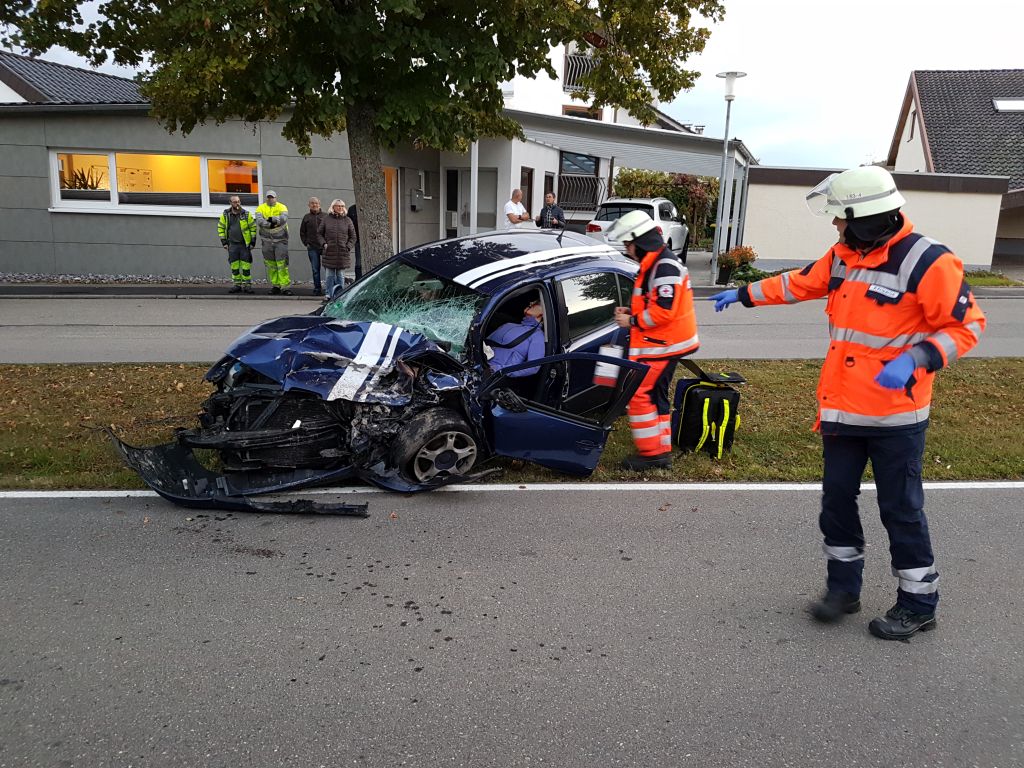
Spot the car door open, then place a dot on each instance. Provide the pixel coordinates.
(547, 434)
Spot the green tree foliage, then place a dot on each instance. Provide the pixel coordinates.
(693, 195)
(387, 72)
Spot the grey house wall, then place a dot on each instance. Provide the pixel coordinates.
(33, 239)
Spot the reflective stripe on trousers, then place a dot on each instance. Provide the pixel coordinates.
(896, 462)
(241, 271)
(649, 411)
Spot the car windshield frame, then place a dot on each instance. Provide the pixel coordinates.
(408, 296)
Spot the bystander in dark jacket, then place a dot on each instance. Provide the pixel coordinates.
(339, 236)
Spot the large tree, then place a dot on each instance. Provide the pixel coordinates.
(387, 71)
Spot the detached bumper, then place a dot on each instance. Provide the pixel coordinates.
(173, 471)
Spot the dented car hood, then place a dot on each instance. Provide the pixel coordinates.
(362, 362)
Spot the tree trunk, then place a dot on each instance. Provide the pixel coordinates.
(368, 182)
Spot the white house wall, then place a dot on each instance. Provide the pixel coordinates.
(542, 159)
(543, 94)
(910, 155)
(9, 96)
(779, 225)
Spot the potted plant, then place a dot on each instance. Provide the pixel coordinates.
(733, 258)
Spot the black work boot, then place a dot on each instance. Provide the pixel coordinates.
(246, 288)
(833, 606)
(900, 623)
(640, 463)
(275, 291)
(236, 288)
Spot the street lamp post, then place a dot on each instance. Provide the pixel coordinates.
(720, 226)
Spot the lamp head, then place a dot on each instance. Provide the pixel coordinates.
(730, 83)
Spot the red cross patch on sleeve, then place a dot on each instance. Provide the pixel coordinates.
(666, 290)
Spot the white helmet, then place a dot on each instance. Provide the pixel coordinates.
(856, 193)
(630, 226)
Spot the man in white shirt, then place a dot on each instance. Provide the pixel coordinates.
(515, 211)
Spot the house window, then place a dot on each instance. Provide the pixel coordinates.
(233, 177)
(83, 177)
(1008, 105)
(574, 163)
(158, 180)
(913, 122)
(151, 183)
(591, 113)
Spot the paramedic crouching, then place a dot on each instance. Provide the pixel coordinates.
(899, 310)
(662, 328)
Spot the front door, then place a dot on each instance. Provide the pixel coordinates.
(547, 434)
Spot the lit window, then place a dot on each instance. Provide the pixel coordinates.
(83, 177)
(1008, 105)
(158, 180)
(149, 183)
(233, 177)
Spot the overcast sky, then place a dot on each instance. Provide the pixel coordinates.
(826, 80)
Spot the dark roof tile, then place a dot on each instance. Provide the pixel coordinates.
(965, 132)
(61, 84)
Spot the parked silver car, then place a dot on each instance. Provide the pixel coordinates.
(670, 223)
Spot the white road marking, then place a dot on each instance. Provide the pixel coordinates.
(995, 485)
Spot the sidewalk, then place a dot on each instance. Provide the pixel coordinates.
(698, 263)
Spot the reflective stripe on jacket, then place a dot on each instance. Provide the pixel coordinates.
(907, 295)
(245, 221)
(664, 322)
(263, 215)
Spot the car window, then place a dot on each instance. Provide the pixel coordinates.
(612, 211)
(590, 301)
(403, 295)
(665, 211)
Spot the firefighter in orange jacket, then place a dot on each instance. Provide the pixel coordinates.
(899, 310)
(663, 328)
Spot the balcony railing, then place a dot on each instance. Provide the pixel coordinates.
(578, 192)
(576, 66)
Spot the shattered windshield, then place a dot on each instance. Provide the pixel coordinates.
(418, 301)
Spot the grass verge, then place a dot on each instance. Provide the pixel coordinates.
(52, 417)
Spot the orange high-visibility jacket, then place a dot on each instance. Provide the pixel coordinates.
(664, 323)
(909, 294)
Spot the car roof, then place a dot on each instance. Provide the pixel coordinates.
(634, 200)
(488, 262)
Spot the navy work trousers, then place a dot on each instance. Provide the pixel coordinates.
(314, 266)
(896, 463)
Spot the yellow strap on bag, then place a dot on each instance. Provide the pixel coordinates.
(704, 434)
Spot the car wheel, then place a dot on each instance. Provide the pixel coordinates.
(670, 249)
(435, 442)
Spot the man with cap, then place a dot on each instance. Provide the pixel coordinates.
(899, 310)
(662, 328)
(272, 221)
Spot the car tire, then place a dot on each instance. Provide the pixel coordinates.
(686, 248)
(669, 245)
(434, 443)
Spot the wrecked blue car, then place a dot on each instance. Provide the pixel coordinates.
(392, 383)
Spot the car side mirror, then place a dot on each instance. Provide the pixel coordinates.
(681, 219)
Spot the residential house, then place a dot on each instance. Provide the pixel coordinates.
(92, 184)
(968, 122)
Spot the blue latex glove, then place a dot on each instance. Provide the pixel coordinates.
(897, 373)
(725, 298)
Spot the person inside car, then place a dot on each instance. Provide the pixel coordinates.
(515, 343)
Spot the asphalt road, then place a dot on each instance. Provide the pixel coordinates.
(567, 628)
(197, 328)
